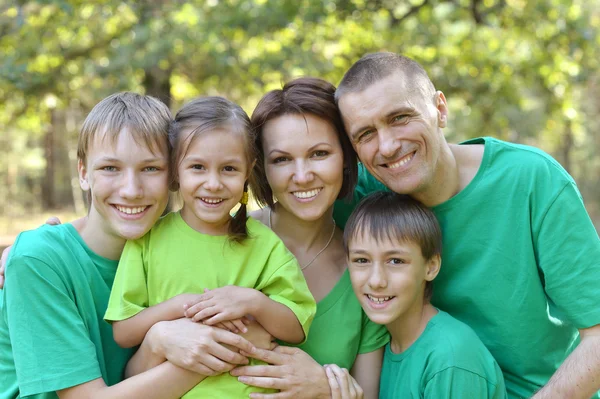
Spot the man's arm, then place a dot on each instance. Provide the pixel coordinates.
(579, 375)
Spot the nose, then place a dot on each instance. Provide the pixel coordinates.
(302, 172)
(131, 185)
(213, 182)
(388, 145)
(378, 277)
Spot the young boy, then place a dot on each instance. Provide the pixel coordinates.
(53, 339)
(393, 245)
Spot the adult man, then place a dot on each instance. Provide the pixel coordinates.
(520, 261)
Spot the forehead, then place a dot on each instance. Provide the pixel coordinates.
(364, 240)
(126, 144)
(297, 132)
(214, 143)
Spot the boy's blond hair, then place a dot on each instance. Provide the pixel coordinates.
(146, 118)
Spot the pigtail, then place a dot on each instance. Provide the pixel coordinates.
(238, 231)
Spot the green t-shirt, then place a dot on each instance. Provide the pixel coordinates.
(448, 360)
(520, 261)
(341, 330)
(52, 332)
(173, 259)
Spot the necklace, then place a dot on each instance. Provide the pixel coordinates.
(318, 253)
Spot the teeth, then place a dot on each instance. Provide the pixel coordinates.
(401, 162)
(130, 211)
(212, 200)
(379, 300)
(306, 194)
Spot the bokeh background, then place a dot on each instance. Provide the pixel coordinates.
(524, 71)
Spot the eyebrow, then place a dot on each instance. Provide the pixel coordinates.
(400, 110)
(309, 150)
(386, 253)
(194, 158)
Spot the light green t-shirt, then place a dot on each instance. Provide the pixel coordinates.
(52, 332)
(173, 259)
(520, 263)
(341, 330)
(448, 360)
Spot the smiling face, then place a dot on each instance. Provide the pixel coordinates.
(303, 163)
(389, 276)
(212, 172)
(129, 189)
(395, 128)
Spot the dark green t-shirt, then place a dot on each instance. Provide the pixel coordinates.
(52, 332)
(448, 360)
(520, 262)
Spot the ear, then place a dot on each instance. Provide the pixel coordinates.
(433, 267)
(83, 176)
(442, 109)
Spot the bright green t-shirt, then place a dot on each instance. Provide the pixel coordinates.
(52, 332)
(173, 259)
(520, 263)
(448, 360)
(341, 330)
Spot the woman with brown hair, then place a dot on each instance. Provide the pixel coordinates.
(305, 163)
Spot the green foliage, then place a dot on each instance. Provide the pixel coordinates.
(519, 70)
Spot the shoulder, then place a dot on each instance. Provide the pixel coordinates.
(43, 240)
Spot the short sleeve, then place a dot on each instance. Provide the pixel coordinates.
(287, 286)
(52, 349)
(458, 383)
(365, 185)
(373, 336)
(568, 252)
(129, 294)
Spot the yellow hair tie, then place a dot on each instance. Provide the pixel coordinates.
(244, 200)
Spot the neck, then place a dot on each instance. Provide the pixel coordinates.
(212, 229)
(301, 236)
(406, 329)
(93, 233)
(445, 183)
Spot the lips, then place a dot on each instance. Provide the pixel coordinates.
(131, 210)
(379, 299)
(307, 194)
(401, 162)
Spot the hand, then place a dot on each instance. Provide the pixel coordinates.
(342, 384)
(223, 304)
(235, 326)
(53, 221)
(290, 370)
(3, 260)
(197, 347)
(258, 336)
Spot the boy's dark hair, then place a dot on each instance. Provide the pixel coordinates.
(387, 215)
(201, 115)
(299, 97)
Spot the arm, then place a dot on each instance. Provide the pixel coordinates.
(3, 260)
(231, 302)
(367, 370)
(162, 382)
(577, 377)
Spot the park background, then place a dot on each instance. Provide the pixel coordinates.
(523, 71)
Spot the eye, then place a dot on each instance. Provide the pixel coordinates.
(229, 168)
(197, 166)
(320, 153)
(397, 261)
(280, 159)
(399, 118)
(109, 168)
(366, 135)
(360, 260)
(151, 169)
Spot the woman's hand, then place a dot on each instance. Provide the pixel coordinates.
(342, 384)
(290, 370)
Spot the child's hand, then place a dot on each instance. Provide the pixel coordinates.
(223, 304)
(235, 326)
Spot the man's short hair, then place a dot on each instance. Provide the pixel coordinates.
(373, 67)
(146, 118)
(396, 217)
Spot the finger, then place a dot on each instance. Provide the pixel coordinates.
(271, 357)
(278, 395)
(333, 384)
(195, 307)
(340, 376)
(239, 325)
(229, 325)
(351, 384)
(205, 313)
(53, 221)
(257, 371)
(219, 317)
(263, 382)
(235, 340)
(360, 394)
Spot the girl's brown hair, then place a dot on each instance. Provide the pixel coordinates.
(300, 96)
(203, 114)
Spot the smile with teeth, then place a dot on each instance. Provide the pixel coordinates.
(212, 200)
(379, 299)
(306, 194)
(402, 161)
(131, 210)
